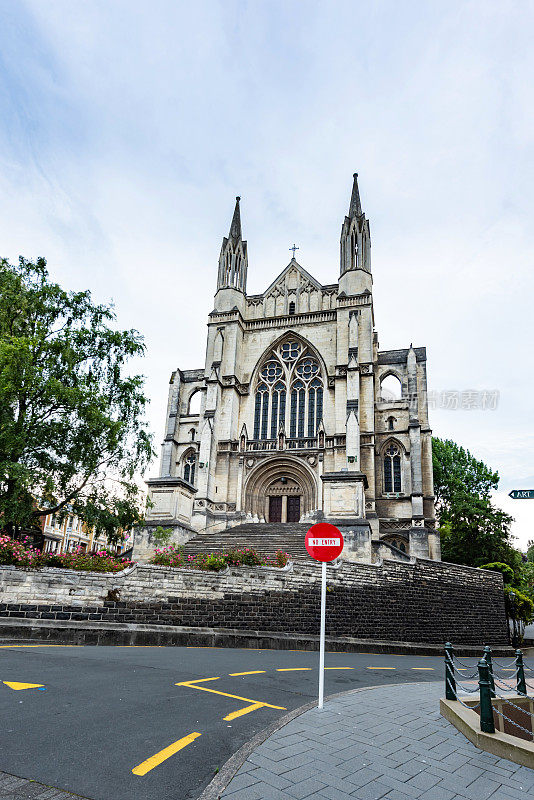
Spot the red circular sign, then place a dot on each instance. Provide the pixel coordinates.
(324, 542)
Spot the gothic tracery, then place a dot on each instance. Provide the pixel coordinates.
(289, 369)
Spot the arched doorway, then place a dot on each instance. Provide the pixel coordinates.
(284, 500)
(280, 490)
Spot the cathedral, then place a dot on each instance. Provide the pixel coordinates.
(297, 415)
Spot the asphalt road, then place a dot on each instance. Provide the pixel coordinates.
(101, 725)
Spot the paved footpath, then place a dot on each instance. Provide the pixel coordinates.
(13, 788)
(384, 742)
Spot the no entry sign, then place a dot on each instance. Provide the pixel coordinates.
(324, 542)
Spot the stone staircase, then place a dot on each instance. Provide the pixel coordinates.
(264, 537)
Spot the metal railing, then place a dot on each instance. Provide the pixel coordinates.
(491, 683)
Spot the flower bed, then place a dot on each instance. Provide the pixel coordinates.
(173, 556)
(20, 554)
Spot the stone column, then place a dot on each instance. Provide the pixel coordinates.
(239, 490)
(167, 468)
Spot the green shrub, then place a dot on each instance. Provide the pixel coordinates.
(172, 556)
(498, 566)
(20, 554)
(519, 606)
(99, 561)
(281, 558)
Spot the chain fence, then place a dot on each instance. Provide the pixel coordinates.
(492, 685)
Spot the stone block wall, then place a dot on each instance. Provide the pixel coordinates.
(423, 601)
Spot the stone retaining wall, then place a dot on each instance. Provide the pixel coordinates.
(423, 601)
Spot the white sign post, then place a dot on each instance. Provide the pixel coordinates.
(324, 543)
(321, 637)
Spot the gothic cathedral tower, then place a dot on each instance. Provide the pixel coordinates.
(301, 416)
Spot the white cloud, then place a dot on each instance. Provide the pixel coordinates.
(128, 128)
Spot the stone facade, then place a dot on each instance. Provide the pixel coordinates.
(424, 601)
(294, 421)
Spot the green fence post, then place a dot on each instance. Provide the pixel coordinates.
(521, 687)
(486, 709)
(489, 662)
(450, 683)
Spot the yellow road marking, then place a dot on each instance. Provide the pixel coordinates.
(18, 686)
(5, 646)
(253, 672)
(381, 667)
(163, 755)
(340, 668)
(294, 669)
(424, 668)
(243, 711)
(192, 685)
(508, 669)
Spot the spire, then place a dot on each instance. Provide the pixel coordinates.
(235, 227)
(355, 244)
(355, 208)
(233, 260)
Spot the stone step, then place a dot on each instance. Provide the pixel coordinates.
(266, 538)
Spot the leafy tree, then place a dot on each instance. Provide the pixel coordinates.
(473, 530)
(458, 472)
(162, 536)
(518, 605)
(72, 429)
(527, 579)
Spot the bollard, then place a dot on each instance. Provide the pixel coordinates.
(521, 687)
(486, 709)
(450, 683)
(489, 662)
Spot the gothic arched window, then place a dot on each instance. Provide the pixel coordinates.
(190, 463)
(278, 410)
(315, 406)
(260, 411)
(392, 469)
(292, 307)
(290, 369)
(298, 408)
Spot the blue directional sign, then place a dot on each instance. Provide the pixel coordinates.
(522, 494)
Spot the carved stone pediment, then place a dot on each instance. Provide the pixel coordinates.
(294, 278)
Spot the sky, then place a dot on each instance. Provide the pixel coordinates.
(128, 128)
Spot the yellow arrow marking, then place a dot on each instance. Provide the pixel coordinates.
(254, 672)
(163, 755)
(18, 686)
(192, 685)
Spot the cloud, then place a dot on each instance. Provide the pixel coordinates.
(127, 129)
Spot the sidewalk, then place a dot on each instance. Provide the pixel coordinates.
(385, 742)
(13, 788)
